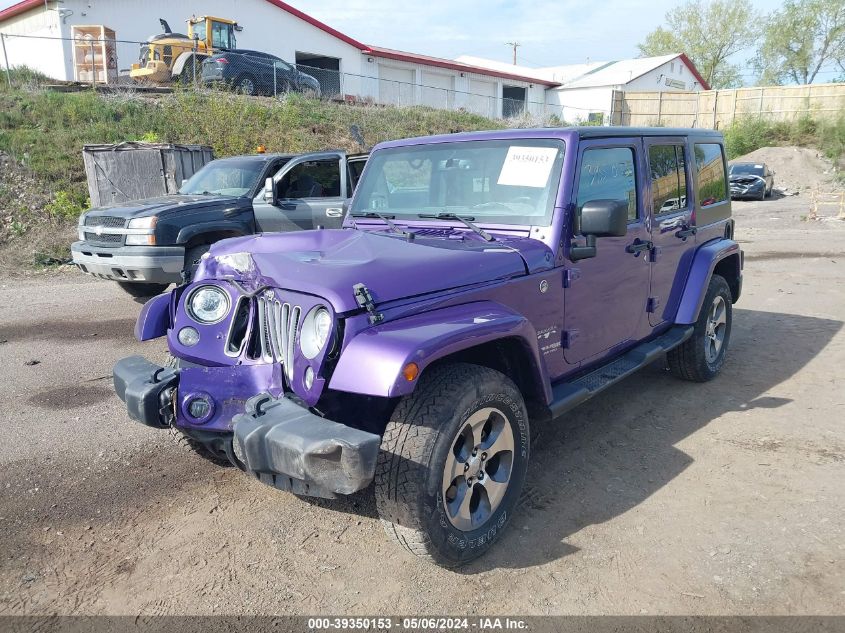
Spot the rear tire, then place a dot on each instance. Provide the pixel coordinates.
(700, 357)
(246, 85)
(142, 290)
(452, 463)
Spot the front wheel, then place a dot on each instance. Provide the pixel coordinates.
(701, 356)
(452, 463)
(142, 290)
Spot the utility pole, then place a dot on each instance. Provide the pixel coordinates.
(515, 45)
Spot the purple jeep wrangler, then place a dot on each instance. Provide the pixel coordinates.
(479, 277)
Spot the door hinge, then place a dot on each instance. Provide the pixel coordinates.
(654, 253)
(570, 275)
(652, 304)
(569, 337)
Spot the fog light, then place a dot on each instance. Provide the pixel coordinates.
(309, 378)
(199, 408)
(188, 336)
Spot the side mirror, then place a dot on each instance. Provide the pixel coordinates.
(599, 218)
(269, 191)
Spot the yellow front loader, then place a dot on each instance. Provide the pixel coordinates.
(176, 57)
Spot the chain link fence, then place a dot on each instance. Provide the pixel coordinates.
(92, 61)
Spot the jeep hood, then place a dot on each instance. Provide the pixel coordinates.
(175, 203)
(328, 263)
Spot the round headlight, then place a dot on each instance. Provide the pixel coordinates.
(316, 330)
(208, 304)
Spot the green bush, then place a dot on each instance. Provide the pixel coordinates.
(67, 206)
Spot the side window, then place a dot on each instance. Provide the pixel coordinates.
(355, 169)
(711, 173)
(608, 173)
(668, 178)
(312, 179)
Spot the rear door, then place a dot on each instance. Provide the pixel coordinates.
(310, 191)
(670, 210)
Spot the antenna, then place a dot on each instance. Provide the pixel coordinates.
(515, 45)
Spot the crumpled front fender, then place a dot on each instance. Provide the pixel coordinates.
(372, 363)
(154, 320)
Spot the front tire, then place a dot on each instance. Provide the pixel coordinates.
(193, 258)
(700, 357)
(142, 290)
(452, 463)
(246, 85)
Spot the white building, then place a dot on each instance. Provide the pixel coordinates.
(366, 72)
(585, 91)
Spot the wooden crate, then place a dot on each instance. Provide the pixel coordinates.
(132, 171)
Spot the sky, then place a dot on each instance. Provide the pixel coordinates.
(552, 32)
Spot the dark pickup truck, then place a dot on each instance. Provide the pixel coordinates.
(145, 245)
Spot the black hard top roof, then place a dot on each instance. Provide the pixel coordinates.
(595, 131)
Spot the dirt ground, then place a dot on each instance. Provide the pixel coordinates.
(659, 497)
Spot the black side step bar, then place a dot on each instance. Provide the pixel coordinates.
(567, 395)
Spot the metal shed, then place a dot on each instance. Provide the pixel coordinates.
(131, 171)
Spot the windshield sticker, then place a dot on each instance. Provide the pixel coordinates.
(527, 166)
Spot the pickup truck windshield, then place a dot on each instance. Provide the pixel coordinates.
(224, 178)
(496, 182)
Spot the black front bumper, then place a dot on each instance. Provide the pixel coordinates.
(147, 389)
(286, 446)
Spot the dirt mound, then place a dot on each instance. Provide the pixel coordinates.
(796, 168)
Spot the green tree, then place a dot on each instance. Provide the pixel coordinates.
(801, 39)
(709, 32)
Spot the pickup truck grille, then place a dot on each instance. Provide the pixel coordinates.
(278, 324)
(106, 239)
(108, 222)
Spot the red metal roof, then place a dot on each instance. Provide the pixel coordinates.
(683, 57)
(20, 7)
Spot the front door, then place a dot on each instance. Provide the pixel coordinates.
(605, 301)
(310, 192)
(671, 212)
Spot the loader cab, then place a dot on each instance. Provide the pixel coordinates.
(217, 33)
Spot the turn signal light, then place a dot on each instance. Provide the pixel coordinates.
(411, 371)
(261, 149)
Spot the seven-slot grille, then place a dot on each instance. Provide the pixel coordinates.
(278, 324)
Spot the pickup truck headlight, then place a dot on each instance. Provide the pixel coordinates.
(80, 224)
(315, 333)
(208, 305)
(147, 237)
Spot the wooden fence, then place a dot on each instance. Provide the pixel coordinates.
(719, 108)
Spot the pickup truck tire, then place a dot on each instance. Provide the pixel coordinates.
(701, 356)
(188, 443)
(443, 431)
(142, 290)
(193, 257)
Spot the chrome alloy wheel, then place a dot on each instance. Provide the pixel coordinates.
(478, 469)
(714, 334)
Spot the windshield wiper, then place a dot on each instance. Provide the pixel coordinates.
(387, 219)
(467, 220)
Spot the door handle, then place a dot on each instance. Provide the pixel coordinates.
(638, 247)
(685, 233)
(334, 212)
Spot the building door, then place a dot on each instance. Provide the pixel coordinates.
(513, 101)
(438, 91)
(605, 303)
(324, 69)
(482, 98)
(396, 85)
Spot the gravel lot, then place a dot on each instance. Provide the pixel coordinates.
(659, 497)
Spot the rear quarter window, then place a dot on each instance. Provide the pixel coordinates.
(710, 163)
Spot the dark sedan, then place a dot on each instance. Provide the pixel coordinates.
(256, 73)
(751, 180)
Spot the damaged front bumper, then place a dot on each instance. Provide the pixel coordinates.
(286, 446)
(278, 441)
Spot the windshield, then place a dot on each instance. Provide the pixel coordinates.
(746, 170)
(225, 178)
(499, 182)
